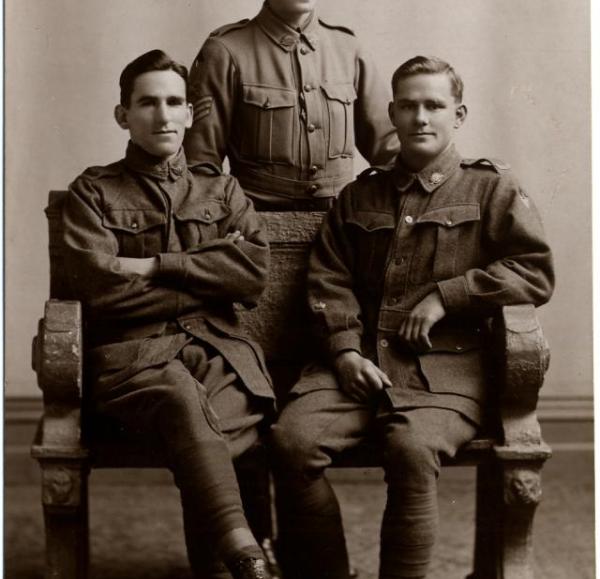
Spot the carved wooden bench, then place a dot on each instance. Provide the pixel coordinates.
(509, 454)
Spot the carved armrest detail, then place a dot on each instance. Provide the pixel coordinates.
(523, 360)
(57, 360)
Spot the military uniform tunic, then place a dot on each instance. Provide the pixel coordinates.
(288, 107)
(463, 227)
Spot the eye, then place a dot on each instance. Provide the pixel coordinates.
(175, 101)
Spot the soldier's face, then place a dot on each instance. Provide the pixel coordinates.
(158, 113)
(292, 9)
(425, 114)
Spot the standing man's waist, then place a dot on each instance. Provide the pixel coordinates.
(284, 187)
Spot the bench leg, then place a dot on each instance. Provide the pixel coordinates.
(65, 504)
(508, 493)
(487, 510)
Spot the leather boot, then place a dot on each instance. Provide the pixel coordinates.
(250, 568)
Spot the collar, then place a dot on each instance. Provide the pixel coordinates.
(142, 162)
(281, 33)
(432, 176)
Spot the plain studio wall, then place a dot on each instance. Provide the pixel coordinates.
(526, 69)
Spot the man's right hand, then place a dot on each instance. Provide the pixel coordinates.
(358, 376)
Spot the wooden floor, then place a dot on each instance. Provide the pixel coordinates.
(136, 530)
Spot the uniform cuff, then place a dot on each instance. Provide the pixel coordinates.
(455, 293)
(170, 265)
(344, 341)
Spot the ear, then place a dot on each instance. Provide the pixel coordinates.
(461, 115)
(121, 116)
(391, 112)
(190, 116)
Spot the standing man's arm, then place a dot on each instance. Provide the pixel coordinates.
(376, 138)
(212, 91)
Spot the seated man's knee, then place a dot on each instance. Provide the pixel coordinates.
(294, 448)
(409, 455)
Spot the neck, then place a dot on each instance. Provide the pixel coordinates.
(294, 20)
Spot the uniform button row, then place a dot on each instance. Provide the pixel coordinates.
(304, 50)
(314, 169)
(308, 87)
(311, 189)
(311, 128)
(408, 219)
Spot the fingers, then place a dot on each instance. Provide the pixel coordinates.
(359, 377)
(234, 236)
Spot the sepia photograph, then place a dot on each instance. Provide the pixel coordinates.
(298, 289)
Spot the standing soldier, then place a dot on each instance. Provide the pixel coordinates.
(286, 96)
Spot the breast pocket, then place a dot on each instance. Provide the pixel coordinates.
(138, 232)
(340, 108)
(200, 222)
(442, 232)
(268, 130)
(372, 232)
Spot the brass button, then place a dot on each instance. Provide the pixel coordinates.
(459, 348)
(448, 222)
(187, 326)
(311, 128)
(134, 225)
(312, 189)
(393, 301)
(435, 178)
(207, 214)
(308, 87)
(314, 169)
(384, 343)
(267, 104)
(408, 219)
(304, 50)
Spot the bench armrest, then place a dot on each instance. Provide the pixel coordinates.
(523, 357)
(57, 359)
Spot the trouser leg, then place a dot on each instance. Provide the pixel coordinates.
(311, 428)
(240, 419)
(168, 404)
(414, 441)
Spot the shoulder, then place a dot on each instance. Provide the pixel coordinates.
(98, 175)
(368, 190)
(486, 164)
(337, 28)
(228, 28)
(212, 181)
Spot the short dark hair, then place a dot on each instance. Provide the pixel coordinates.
(429, 65)
(148, 62)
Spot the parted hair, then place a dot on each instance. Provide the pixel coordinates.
(147, 62)
(429, 65)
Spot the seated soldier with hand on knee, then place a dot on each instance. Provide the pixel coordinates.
(407, 266)
(158, 256)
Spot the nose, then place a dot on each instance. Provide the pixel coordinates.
(162, 113)
(421, 117)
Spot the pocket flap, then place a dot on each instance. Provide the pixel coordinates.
(207, 212)
(451, 216)
(372, 220)
(268, 97)
(456, 342)
(132, 220)
(344, 93)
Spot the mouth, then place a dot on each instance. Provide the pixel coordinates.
(422, 134)
(165, 132)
